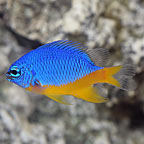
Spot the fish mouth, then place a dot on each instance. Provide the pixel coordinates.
(8, 77)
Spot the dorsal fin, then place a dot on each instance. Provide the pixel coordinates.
(98, 56)
(69, 46)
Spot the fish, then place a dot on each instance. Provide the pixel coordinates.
(63, 68)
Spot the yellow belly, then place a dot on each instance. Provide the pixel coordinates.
(71, 88)
(81, 88)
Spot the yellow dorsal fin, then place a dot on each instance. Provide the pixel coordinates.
(59, 98)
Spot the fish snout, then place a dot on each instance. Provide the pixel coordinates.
(8, 76)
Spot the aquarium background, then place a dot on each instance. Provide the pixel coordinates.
(117, 25)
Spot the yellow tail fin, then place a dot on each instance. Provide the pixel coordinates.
(110, 72)
(121, 76)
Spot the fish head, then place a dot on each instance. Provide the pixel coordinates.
(19, 74)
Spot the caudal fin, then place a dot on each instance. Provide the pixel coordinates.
(121, 76)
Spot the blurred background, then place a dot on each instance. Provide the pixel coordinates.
(117, 25)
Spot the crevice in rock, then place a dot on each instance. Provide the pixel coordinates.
(24, 41)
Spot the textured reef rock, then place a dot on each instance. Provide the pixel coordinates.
(26, 118)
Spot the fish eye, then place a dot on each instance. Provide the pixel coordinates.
(15, 72)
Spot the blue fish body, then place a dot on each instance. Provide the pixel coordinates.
(57, 63)
(65, 68)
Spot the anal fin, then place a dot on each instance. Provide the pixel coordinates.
(91, 94)
(59, 98)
